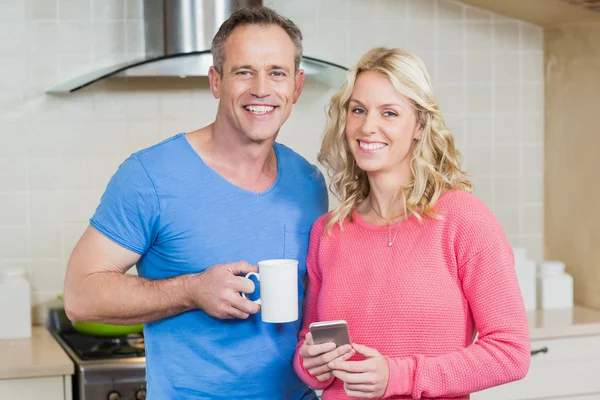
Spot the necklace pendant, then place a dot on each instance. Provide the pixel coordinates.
(390, 244)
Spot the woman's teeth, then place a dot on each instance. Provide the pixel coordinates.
(371, 146)
(259, 109)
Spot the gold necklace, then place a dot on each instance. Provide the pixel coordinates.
(390, 239)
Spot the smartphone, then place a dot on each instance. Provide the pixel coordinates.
(330, 331)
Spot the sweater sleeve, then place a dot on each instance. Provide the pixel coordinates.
(501, 353)
(310, 306)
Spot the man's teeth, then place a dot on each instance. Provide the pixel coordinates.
(371, 146)
(259, 109)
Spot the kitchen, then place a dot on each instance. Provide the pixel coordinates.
(59, 151)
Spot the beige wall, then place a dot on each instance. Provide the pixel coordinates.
(572, 217)
(57, 154)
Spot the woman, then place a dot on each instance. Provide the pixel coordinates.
(410, 259)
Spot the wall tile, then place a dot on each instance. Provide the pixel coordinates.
(134, 9)
(451, 98)
(507, 129)
(506, 99)
(330, 10)
(74, 37)
(506, 36)
(13, 174)
(12, 10)
(450, 36)
(79, 10)
(421, 35)
(479, 160)
(449, 10)
(391, 34)
(109, 38)
(14, 242)
(451, 68)
(391, 10)
(361, 11)
(14, 208)
(479, 131)
(108, 10)
(507, 67)
(507, 161)
(360, 39)
(533, 219)
(533, 160)
(46, 241)
(532, 129)
(507, 193)
(41, 9)
(46, 207)
(479, 36)
(479, 67)
(420, 9)
(47, 275)
(532, 188)
(78, 173)
(533, 98)
(479, 99)
(16, 30)
(45, 173)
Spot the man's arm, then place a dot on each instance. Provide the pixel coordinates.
(98, 290)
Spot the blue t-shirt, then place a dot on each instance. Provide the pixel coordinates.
(166, 204)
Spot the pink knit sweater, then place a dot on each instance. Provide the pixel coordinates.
(421, 301)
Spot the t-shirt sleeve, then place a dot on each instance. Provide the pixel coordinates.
(129, 210)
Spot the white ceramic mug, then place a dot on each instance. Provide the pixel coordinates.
(278, 281)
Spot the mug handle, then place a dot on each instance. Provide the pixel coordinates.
(257, 275)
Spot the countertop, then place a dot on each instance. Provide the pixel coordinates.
(555, 324)
(38, 356)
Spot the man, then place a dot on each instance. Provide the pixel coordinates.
(198, 210)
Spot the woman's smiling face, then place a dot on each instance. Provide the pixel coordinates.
(381, 125)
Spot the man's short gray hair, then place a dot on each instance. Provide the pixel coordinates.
(254, 16)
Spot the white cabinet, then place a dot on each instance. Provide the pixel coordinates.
(561, 368)
(47, 388)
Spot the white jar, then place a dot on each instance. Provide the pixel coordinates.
(526, 275)
(554, 286)
(15, 304)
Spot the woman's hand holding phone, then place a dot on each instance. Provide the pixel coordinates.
(316, 357)
(363, 379)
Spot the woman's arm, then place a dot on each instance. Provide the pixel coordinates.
(501, 352)
(310, 312)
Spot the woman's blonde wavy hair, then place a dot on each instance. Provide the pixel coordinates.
(435, 162)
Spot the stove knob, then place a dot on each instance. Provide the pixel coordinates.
(114, 396)
(140, 395)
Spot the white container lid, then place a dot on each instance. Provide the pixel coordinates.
(551, 268)
(12, 273)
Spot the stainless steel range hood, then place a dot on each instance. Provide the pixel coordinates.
(178, 36)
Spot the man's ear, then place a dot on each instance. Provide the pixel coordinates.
(299, 84)
(214, 79)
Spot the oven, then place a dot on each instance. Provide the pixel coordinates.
(106, 368)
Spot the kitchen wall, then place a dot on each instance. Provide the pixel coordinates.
(58, 153)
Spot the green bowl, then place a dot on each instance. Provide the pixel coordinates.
(99, 329)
